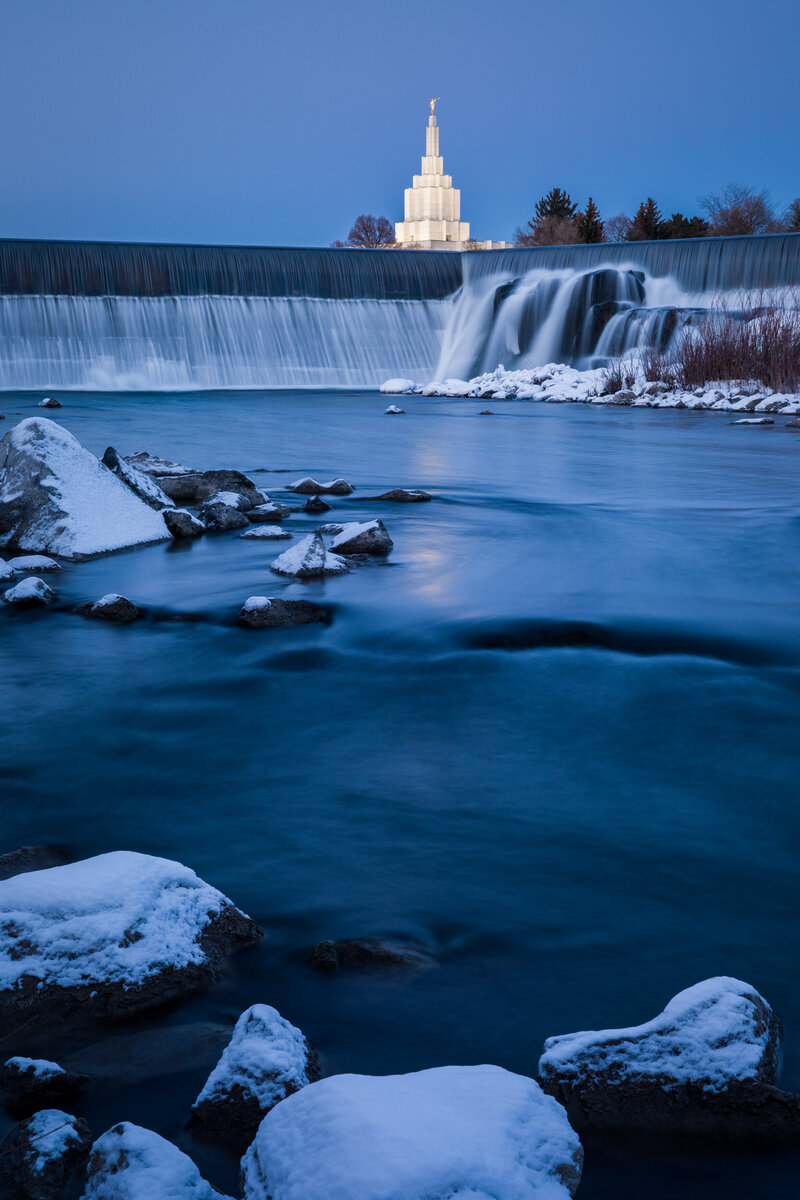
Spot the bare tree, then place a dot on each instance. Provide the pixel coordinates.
(737, 209)
(617, 228)
(369, 231)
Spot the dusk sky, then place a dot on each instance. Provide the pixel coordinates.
(257, 122)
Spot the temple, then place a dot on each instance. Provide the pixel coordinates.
(432, 216)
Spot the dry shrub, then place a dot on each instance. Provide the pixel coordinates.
(759, 344)
(658, 366)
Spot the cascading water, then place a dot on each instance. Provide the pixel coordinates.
(94, 315)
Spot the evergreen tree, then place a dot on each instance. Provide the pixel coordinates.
(552, 222)
(588, 224)
(679, 226)
(792, 219)
(648, 225)
(555, 204)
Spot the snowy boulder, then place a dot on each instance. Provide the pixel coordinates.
(706, 1065)
(141, 484)
(57, 498)
(49, 402)
(309, 559)
(30, 593)
(219, 517)
(32, 562)
(394, 411)
(368, 537)
(132, 1163)
(266, 1060)
(232, 499)
(267, 533)
(754, 421)
(263, 513)
(112, 607)
(44, 1158)
(475, 1132)
(229, 481)
(6, 573)
(398, 387)
(32, 1083)
(267, 612)
(111, 935)
(183, 524)
(366, 954)
(309, 487)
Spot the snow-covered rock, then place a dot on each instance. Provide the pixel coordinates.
(309, 559)
(140, 483)
(368, 537)
(268, 513)
(32, 1083)
(49, 402)
(309, 487)
(477, 1132)
(44, 1158)
(112, 607)
(30, 593)
(151, 464)
(267, 533)
(399, 387)
(57, 498)
(230, 481)
(269, 612)
(219, 517)
(112, 934)
(32, 562)
(754, 421)
(315, 505)
(394, 411)
(183, 524)
(708, 1061)
(266, 1060)
(131, 1163)
(6, 573)
(231, 499)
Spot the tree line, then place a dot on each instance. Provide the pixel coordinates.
(734, 210)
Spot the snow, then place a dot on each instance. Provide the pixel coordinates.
(394, 411)
(140, 483)
(399, 387)
(33, 562)
(151, 464)
(255, 602)
(131, 1163)
(6, 574)
(81, 508)
(711, 1033)
(119, 917)
(232, 499)
(309, 486)
(754, 421)
(368, 537)
(478, 1132)
(28, 590)
(266, 1058)
(309, 558)
(50, 1133)
(267, 532)
(39, 1068)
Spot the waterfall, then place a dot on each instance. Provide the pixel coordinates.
(135, 317)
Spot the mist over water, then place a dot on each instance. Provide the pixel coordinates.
(553, 738)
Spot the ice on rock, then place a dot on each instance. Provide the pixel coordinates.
(398, 387)
(266, 1060)
(115, 933)
(131, 1163)
(477, 1132)
(57, 498)
(309, 559)
(30, 593)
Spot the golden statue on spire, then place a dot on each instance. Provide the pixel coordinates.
(433, 105)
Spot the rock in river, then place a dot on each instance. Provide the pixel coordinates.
(267, 533)
(268, 512)
(309, 559)
(266, 1060)
(368, 537)
(183, 524)
(132, 1163)
(32, 562)
(315, 505)
(57, 498)
(229, 481)
(269, 612)
(111, 935)
(394, 411)
(44, 1158)
(309, 487)
(401, 496)
(219, 517)
(49, 402)
(112, 607)
(365, 954)
(140, 483)
(29, 1084)
(705, 1066)
(30, 593)
(451, 1131)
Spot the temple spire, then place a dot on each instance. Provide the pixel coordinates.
(432, 215)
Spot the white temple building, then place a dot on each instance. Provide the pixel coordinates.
(432, 212)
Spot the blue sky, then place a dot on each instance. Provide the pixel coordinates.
(277, 123)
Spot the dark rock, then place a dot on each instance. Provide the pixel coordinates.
(315, 505)
(330, 957)
(369, 537)
(181, 489)
(401, 496)
(309, 487)
(228, 481)
(112, 607)
(50, 402)
(486, 412)
(220, 517)
(32, 858)
(29, 1084)
(183, 524)
(262, 612)
(44, 1157)
(265, 514)
(794, 423)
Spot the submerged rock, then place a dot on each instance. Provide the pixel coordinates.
(268, 513)
(266, 1060)
(219, 517)
(57, 498)
(267, 533)
(706, 1066)
(32, 858)
(140, 483)
(112, 607)
(364, 954)
(309, 559)
(30, 593)
(183, 524)
(32, 1083)
(268, 612)
(49, 402)
(44, 1158)
(446, 1132)
(369, 537)
(111, 935)
(132, 1163)
(32, 562)
(310, 487)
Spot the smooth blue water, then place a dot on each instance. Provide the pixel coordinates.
(578, 833)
